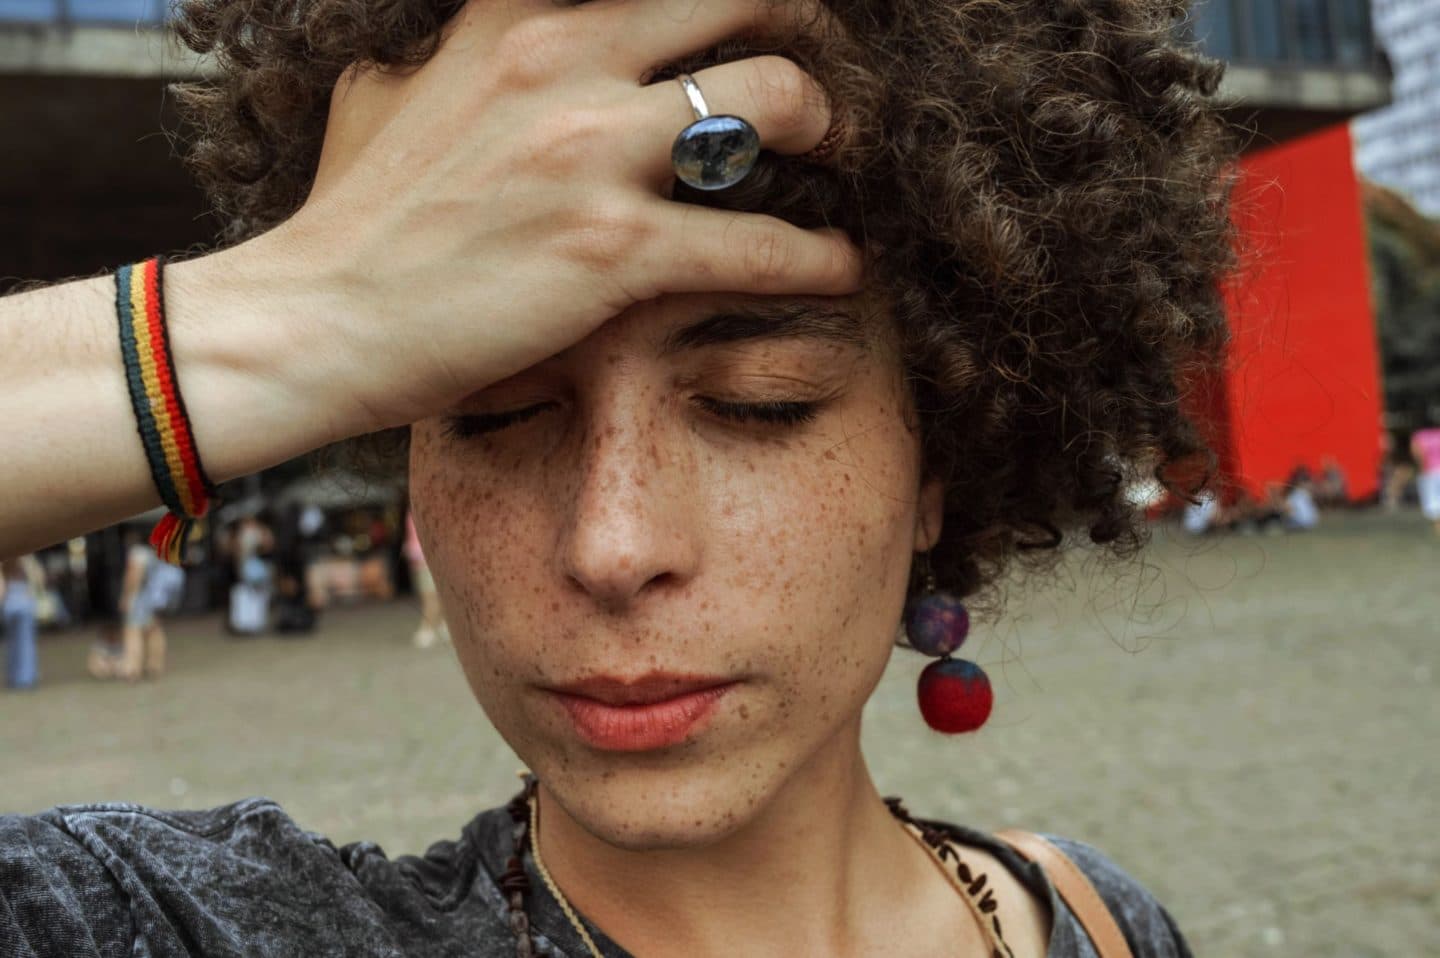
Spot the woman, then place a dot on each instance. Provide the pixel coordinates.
(1425, 448)
(17, 624)
(432, 626)
(675, 541)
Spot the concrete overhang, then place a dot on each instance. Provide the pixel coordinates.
(138, 52)
(1280, 103)
(89, 173)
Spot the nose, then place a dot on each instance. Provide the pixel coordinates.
(631, 528)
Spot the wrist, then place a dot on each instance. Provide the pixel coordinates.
(251, 329)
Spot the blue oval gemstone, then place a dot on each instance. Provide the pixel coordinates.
(715, 152)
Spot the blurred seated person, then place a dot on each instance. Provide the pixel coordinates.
(1301, 512)
(1332, 489)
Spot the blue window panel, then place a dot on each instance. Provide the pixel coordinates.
(1268, 36)
(1313, 31)
(27, 11)
(1354, 44)
(1213, 26)
(117, 11)
(83, 11)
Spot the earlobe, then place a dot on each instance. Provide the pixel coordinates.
(930, 516)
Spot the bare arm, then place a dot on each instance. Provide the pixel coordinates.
(74, 461)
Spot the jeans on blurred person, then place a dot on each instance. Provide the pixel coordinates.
(17, 613)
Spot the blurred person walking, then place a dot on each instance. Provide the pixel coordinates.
(1425, 447)
(17, 615)
(432, 618)
(149, 588)
(250, 540)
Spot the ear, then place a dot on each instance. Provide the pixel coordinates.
(930, 516)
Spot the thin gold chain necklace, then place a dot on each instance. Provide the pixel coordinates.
(995, 939)
(550, 882)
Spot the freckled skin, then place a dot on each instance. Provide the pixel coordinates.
(626, 529)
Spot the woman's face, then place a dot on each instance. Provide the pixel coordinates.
(674, 556)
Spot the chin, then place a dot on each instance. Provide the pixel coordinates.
(651, 806)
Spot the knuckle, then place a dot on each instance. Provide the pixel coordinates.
(534, 50)
(784, 91)
(567, 141)
(607, 235)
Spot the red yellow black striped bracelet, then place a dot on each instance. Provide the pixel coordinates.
(160, 413)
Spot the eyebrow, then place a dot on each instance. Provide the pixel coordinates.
(769, 321)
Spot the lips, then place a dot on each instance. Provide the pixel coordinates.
(635, 715)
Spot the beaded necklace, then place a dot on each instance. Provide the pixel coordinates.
(524, 811)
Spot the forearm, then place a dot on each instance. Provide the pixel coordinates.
(73, 460)
(243, 333)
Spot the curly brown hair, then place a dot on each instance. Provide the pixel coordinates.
(1041, 186)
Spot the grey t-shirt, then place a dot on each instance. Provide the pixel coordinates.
(123, 881)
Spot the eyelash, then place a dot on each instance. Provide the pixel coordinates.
(772, 413)
(480, 424)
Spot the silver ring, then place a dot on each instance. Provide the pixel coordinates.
(697, 99)
(714, 152)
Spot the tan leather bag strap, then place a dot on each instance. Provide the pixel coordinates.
(1074, 887)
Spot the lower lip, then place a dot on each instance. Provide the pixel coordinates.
(641, 728)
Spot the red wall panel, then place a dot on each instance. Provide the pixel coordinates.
(1303, 375)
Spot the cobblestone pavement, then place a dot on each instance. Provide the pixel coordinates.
(1248, 724)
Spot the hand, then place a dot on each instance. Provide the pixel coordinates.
(494, 206)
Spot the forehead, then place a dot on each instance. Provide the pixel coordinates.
(681, 324)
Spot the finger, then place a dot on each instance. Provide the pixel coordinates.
(785, 105)
(649, 33)
(724, 251)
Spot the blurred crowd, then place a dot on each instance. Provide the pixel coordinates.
(1298, 503)
(270, 568)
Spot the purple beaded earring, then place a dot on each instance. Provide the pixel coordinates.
(955, 695)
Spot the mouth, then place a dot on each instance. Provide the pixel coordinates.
(639, 715)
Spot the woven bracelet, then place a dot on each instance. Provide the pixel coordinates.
(160, 414)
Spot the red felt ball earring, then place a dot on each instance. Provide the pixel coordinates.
(955, 694)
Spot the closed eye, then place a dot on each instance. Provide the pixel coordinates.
(771, 413)
(775, 413)
(471, 425)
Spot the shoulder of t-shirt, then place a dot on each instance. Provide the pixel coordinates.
(1148, 927)
(55, 897)
(69, 876)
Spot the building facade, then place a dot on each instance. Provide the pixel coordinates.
(1302, 381)
(1399, 146)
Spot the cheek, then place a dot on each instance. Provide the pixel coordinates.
(820, 552)
(480, 533)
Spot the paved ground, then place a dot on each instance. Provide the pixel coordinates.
(1248, 724)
